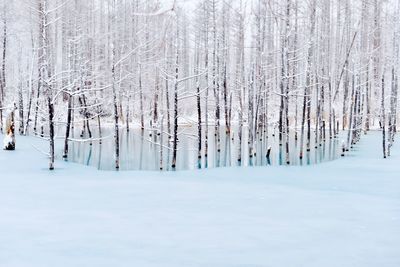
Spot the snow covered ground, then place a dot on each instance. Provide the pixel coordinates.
(341, 213)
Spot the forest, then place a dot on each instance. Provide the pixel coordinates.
(305, 71)
(189, 133)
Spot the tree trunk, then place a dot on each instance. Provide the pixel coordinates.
(68, 127)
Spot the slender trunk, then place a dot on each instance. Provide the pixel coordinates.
(226, 104)
(198, 100)
(383, 117)
(175, 140)
(168, 107)
(51, 131)
(68, 127)
(161, 142)
(303, 121)
(116, 118)
(352, 99)
(128, 117)
(114, 93)
(141, 99)
(345, 100)
(3, 67)
(367, 99)
(30, 99)
(21, 110)
(156, 96)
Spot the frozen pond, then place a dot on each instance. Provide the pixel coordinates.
(141, 150)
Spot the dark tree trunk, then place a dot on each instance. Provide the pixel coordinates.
(51, 131)
(68, 127)
(383, 117)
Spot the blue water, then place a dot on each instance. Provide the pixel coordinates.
(141, 150)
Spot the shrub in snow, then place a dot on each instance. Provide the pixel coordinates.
(9, 139)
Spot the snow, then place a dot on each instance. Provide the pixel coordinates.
(341, 213)
(7, 140)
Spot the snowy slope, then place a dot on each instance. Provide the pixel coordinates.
(343, 213)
